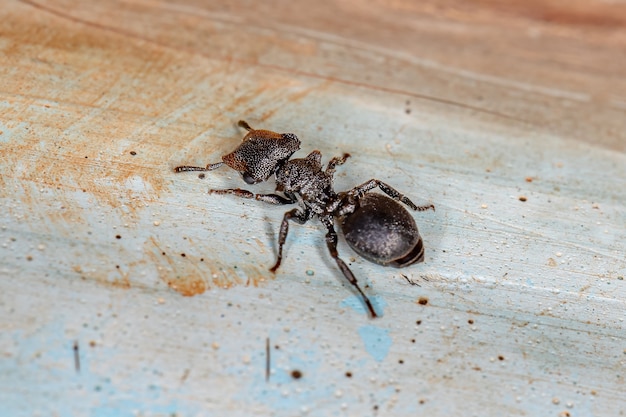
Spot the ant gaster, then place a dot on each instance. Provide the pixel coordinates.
(375, 226)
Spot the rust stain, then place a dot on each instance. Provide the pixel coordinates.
(62, 139)
(260, 245)
(573, 13)
(293, 98)
(422, 301)
(191, 275)
(188, 285)
(92, 271)
(179, 273)
(109, 181)
(237, 102)
(188, 275)
(123, 282)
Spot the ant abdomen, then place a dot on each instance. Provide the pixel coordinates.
(381, 230)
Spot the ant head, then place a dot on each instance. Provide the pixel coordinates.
(261, 153)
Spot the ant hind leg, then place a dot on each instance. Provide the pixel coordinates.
(360, 190)
(331, 242)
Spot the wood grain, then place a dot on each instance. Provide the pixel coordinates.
(508, 116)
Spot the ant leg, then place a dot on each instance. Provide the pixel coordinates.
(331, 242)
(295, 215)
(360, 190)
(267, 198)
(426, 207)
(209, 167)
(338, 160)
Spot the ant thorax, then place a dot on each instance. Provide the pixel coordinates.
(305, 177)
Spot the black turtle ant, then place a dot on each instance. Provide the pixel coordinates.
(377, 227)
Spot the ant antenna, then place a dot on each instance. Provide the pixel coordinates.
(245, 125)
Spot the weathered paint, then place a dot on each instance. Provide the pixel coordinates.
(519, 305)
(376, 340)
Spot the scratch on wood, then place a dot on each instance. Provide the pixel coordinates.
(409, 281)
(267, 359)
(76, 357)
(185, 375)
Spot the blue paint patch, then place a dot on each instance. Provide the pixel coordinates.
(122, 407)
(356, 303)
(282, 391)
(377, 341)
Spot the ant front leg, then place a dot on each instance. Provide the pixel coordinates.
(267, 198)
(296, 215)
(331, 242)
(360, 190)
(336, 161)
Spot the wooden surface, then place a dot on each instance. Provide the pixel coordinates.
(125, 289)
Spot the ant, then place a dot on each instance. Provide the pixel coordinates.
(377, 227)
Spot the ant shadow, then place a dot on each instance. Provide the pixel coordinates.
(319, 242)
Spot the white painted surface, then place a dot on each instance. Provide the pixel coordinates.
(525, 300)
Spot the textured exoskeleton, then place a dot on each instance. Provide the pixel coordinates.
(382, 231)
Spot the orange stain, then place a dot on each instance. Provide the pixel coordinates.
(191, 275)
(188, 286)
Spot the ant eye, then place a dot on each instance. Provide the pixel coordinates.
(249, 179)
